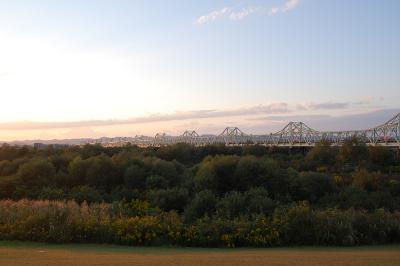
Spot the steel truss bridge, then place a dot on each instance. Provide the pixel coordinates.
(292, 135)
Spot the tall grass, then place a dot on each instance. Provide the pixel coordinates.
(136, 223)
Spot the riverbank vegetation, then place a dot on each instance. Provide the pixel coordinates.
(217, 196)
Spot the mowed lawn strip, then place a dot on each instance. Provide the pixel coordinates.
(26, 253)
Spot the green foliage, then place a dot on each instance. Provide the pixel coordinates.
(300, 225)
(381, 158)
(232, 205)
(217, 174)
(222, 174)
(322, 156)
(181, 152)
(251, 172)
(134, 223)
(202, 204)
(135, 177)
(201, 196)
(259, 202)
(77, 169)
(85, 193)
(156, 182)
(311, 186)
(363, 179)
(102, 173)
(8, 168)
(8, 185)
(170, 199)
(98, 171)
(38, 172)
(51, 193)
(10, 153)
(296, 224)
(252, 202)
(353, 153)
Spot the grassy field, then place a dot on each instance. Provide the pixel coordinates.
(22, 253)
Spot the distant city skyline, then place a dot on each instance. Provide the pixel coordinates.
(71, 69)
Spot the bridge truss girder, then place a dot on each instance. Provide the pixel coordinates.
(293, 134)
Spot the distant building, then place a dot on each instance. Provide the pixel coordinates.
(39, 145)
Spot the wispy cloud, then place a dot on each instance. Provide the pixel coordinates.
(325, 122)
(233, 13)
(259, 119)
(273, 108)
(323, 106)
(213, 15)
(288, 5)
(244, 12)
(277, 108)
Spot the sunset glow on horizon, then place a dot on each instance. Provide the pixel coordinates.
(122, 68)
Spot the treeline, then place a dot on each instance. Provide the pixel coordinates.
(136, 223)
(224, 194)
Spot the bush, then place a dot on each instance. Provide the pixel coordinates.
(311, 186)
(214, 195)
(135, 177)
(202, 204)
(137, 230)
(33, 175)
(51, 193)
(85, 193)
(258, 202)
(137, 223)
(170, 199)
(232, 205)
(252, 202)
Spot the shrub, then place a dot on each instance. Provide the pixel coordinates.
(202, 204)
(170, 199)
(137, 223)
(85, 193)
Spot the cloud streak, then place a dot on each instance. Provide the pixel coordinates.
(213, 15)
(243, 13)
(236, 14)
(265, 109)
(325, 106)
(329, 122)
(273, 108)
(287, 6)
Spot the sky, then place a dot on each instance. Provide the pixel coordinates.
(71, 69)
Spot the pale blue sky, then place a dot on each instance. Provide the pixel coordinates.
(98, 60)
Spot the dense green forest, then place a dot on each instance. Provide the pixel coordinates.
(201, 196)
